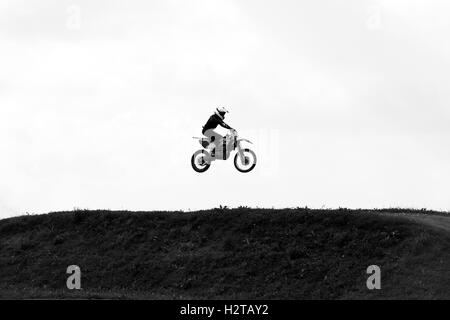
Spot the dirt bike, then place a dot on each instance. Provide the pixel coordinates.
(244, 160)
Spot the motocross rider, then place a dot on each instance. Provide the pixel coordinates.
(208, 129)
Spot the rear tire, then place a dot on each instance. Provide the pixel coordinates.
(250, 156)
(201, 156)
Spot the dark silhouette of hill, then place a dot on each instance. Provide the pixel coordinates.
(226, 253)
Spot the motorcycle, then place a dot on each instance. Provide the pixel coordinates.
(244, 160)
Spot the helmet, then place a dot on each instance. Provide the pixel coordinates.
(221, 111)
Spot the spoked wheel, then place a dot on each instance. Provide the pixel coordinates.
(200, 161)
(248, 163)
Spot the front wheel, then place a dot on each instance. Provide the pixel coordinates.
(200, 161)
(248, 163)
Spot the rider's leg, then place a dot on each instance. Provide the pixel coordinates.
(212, 145)
(214, 139)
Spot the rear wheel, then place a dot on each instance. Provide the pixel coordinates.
(200, 161)
(248, 163)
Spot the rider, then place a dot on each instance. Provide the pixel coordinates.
(215, 120)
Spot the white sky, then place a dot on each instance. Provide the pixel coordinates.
(346, 101)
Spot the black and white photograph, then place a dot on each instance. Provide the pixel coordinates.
(219, 156)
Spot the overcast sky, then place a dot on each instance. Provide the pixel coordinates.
(347, 103)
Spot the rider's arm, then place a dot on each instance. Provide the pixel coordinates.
(223, 124)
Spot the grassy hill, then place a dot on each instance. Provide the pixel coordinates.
(224, 253)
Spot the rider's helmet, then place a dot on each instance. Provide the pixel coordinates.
(221, 111)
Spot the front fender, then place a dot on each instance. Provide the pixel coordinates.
(245, 140)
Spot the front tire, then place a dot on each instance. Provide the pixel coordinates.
(250, 161)
(200, 161)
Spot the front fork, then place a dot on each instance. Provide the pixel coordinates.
(240, 151)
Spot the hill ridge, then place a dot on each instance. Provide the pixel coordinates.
(240, 253)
